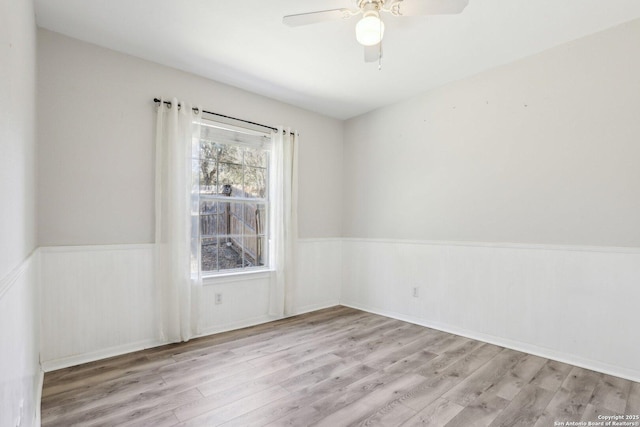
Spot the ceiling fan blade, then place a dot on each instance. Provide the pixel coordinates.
(428, 7)
(373, 53)
(320, 16)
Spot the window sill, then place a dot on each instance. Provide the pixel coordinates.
(239, 276)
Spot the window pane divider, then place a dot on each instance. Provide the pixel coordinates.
(224, 236)
(232, 199)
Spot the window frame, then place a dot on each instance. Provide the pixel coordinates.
(218, 197)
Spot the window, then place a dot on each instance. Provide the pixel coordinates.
(232, 166)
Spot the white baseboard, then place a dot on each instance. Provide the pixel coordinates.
(237, 325)
(546, 353)
(264, 319)
(66, 362)
(315, 307)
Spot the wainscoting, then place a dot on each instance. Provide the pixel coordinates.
(245, 299)
(98, 301)
(577, 305)
(19, 331)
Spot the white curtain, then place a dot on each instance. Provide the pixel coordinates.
(284, 221)
(177, 272)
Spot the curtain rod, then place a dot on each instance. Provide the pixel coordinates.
(168, 103)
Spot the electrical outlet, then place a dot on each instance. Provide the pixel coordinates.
(218, 298)
(415, 292)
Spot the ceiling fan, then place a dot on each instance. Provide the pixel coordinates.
(370, 28)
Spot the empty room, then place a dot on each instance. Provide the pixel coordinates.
(319, 213)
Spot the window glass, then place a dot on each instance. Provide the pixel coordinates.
(231, 179)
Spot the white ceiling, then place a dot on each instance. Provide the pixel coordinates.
(320, 67)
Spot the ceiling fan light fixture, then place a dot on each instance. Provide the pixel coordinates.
(370, 29)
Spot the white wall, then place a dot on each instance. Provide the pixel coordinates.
(96, 135)
(541, 153)
(539, 157)
(573, 304)
(20, 372)
(319, 263)
(20, 377)
(544, 150)
(99, 300)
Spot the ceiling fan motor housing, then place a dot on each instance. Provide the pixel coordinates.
(368, 5)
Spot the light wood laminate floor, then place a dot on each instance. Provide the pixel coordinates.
(334, 367)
